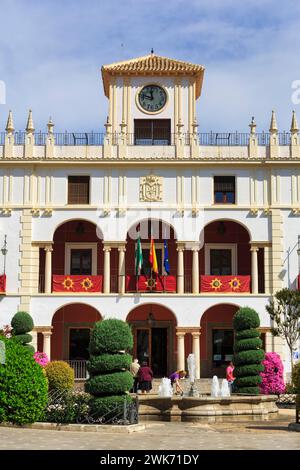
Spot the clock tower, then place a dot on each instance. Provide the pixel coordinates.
(152, 98)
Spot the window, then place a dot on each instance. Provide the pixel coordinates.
(224, 189)
(152, 132)
(222, 347)
(78, 190)
(220, 262)
(81, 262)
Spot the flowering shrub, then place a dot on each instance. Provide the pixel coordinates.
(41, 358)
(67, 407)
(6, 331)
(272, 376)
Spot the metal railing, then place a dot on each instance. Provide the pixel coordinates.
(97, 138)
(80, 369)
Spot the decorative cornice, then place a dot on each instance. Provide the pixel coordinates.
(152, 64)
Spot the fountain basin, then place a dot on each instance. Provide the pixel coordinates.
(207, 409)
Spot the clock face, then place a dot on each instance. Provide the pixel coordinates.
(152, 98)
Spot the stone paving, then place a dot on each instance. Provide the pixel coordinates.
(260, 435)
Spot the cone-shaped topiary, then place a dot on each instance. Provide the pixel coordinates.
(22, 323)
(110, 379)
(247, 353)
(272, 375)
(23, 386)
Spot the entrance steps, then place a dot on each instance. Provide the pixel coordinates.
(202, 385)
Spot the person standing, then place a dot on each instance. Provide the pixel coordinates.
(145, 376)
(134, 370)
(229, 375)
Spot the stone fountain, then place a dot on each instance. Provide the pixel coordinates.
(193, 391)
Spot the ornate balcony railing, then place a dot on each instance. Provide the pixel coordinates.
(97, 138)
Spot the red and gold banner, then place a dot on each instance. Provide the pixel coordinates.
(70, 283)
(2, 284)
(225, 284)
(147, 284)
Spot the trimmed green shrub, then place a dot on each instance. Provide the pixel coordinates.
(248, 354)
(60, 376)
(110, 380)
(251, 333)
(22, 323)
(23, 386)
(110, 336)
(296, 377)
(108, 406)
(109, 362)
(109, 384)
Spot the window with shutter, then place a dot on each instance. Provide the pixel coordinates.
(224, 189)
(78, 190)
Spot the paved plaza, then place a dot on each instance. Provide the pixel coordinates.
(259, 435)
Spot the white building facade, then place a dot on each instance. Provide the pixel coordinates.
(223, 208)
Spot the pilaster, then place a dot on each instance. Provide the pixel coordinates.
(29, 257)
(277, 249)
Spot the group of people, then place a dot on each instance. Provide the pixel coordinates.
(143, 375)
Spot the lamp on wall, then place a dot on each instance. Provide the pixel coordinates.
(221, 228)
(150, 318)
(79, 228)
(4, 251)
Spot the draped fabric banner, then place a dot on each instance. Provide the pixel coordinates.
(69, 283)
(225, 283)
(147, 284)
(2, 284)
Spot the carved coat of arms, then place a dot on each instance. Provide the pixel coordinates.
(151, 188)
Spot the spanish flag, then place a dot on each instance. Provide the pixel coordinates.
(152, 257)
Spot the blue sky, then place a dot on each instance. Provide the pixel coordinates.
(51, 53)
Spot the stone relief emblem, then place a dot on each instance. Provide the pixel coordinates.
(151, 188)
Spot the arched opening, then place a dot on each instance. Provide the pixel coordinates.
(77, 251)
(226, 252)
(216, 344)
(145, 279)
(154, 333)
(71, 327)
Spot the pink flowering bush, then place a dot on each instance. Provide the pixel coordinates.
(272, 376)
(41, 358)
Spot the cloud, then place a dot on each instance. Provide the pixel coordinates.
(50, 60)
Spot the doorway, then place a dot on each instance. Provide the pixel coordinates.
(151, 347)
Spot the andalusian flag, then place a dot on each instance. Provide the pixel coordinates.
(152, 257)
(138, 257)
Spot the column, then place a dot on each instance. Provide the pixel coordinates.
(48, 269)
(121, 272)
(180, 268)
(195, 274)
(196, 352)
(254, 269)
(47, 343)
(34, 341)
(106, 287)
(180, 350)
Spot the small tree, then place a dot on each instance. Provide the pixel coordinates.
(284, 310)
(247, 353)
(110, 379)
(22, 323)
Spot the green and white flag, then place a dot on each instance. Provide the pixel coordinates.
(138, 257)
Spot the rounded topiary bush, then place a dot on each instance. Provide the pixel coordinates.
(110, 380)
(110, 336)
(23, 386)
(21, 324)
(60, 376)
(248, 354)
(109, 362)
